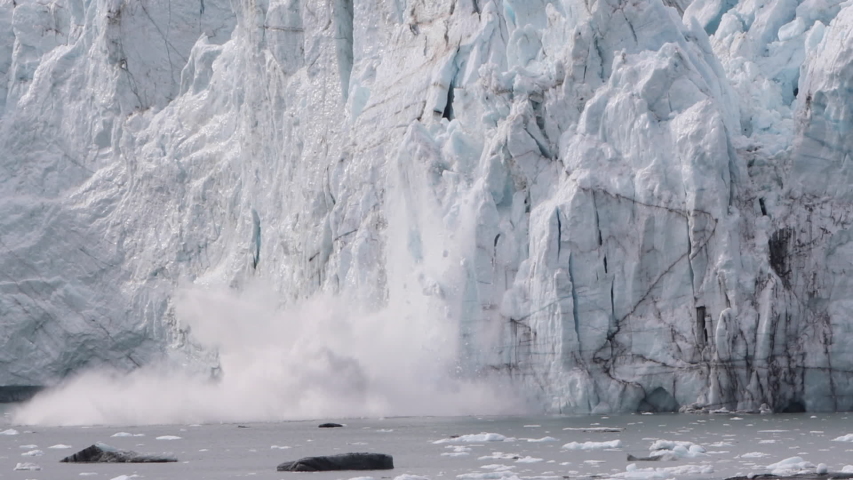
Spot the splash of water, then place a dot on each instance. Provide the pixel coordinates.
(325, 357)
(315, 360)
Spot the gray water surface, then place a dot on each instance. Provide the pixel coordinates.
(222, 451)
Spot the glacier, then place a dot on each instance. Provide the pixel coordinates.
(622, 205)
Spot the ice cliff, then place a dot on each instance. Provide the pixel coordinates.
(627, 205)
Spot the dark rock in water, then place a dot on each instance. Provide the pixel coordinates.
(330, 425)
(100, 453)
(798, 476)
(652, 458)
(344, 461)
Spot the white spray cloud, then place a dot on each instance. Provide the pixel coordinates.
(319, 359)
(325, 357)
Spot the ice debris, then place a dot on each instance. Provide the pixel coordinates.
(593, 445)
(476, 438)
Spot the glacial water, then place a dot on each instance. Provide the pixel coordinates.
(423, 446)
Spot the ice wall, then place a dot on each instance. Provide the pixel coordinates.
(625, 205)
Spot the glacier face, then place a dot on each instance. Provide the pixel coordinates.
(624, 204)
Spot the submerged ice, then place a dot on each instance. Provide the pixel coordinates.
(619, 206)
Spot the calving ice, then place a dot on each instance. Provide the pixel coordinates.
(369, 208)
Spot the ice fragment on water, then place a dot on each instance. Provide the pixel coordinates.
(529, 459)
(476, 438)
(593, 445)
(754, 455)
(541, 440)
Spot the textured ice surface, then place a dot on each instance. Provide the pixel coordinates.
(540, 440)
(678, 448)
(592, 445)
(791, 466)
(625, 205)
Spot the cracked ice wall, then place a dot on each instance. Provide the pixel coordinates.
(650, 198)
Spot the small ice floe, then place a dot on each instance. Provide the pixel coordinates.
(279, 447)
(27, 466)
(721, 444)
(88, 474)
(501, 456)
(676, 448)
(476, 438)
(633, 472)
(847, 469)
(529, 459)
(593, 445)
(59, 446)
(791, 466)
(125, 477)
(753, 455)
(457, 451)
(487, 475)
(844, 438)
(532, 426)
(767, 441)
(32, 453)
(10, 431)
(497, 467)
(541, 440)
(406, 476)
(772, 431)
(384, 430)
(32, 445)
(127, 434)
(168, 437)
(362, 478)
